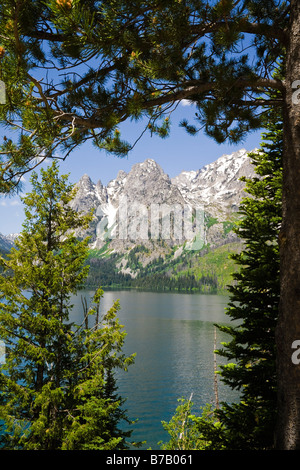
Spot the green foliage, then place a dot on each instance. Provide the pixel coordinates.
(254, 302)
(250, 355)
(58, 389)
(212, 263)
(182, 428)
(190, 432)
(102, 63)
(207, 270)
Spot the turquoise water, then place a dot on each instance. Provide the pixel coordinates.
(173, 338)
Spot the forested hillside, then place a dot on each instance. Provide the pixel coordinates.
(209, 270)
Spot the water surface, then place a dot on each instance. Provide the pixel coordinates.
(172, 335)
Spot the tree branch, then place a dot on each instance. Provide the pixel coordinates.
(190, 89)
(196, 87)
(46, 36)
(270, 31)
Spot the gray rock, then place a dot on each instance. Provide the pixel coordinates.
(216, 188)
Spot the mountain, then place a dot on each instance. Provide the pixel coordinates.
(6, 242)
(147, 223)
(217, 186)
(135, 198)
(153, 231)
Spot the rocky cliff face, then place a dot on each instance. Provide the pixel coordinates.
(217, 187)
(146, 224)
(127, 209)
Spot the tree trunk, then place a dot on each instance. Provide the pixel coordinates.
(288, 328)
(215, 371)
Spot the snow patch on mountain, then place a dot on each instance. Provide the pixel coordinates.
(215, 187)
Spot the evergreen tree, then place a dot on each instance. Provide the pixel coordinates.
(57, 384)
(105, 62)
(254, 304)
(109, 61)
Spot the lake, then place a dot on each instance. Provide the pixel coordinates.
(172, 335)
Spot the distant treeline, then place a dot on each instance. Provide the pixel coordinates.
(103, 272)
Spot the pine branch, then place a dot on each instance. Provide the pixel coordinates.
(195, 87)
(243, 26)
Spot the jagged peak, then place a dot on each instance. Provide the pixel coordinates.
(85, 181)
(149, 163)
(85, 177)
(121, 175)
(145, 168)
(236, 159)
(99, 184)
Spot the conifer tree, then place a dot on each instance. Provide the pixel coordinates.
(254, 303)
(57, 384)
(75, 70)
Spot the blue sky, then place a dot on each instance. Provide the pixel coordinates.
(174, 154)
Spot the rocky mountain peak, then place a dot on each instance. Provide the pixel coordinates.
(216, 188)
(86, 181)
(6, 243)
(86, 198)
(147, 183)
(121, 175)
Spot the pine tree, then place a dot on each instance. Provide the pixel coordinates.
(57, 383)
(254, 303)
(105, 62)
